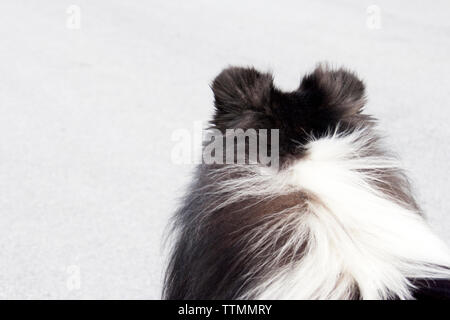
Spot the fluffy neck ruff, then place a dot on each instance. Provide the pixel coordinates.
(356, 239)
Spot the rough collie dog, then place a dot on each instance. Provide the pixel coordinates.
(335, 220)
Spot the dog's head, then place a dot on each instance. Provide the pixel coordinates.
(326, 100)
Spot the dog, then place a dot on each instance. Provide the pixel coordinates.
(335, 220)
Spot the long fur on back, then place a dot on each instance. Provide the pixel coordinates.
(337, 220)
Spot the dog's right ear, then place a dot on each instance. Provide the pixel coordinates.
(241, 97)
(329, 91)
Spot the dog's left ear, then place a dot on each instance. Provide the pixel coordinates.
(241, 97)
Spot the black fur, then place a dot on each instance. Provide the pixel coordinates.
(246, 98)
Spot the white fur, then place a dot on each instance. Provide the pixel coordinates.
(357, 235)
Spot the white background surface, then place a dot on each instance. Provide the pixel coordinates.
(86, 117)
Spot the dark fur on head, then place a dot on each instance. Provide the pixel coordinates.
(246, 98)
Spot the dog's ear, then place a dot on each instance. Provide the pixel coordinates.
(340, 91)
(241, 97)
